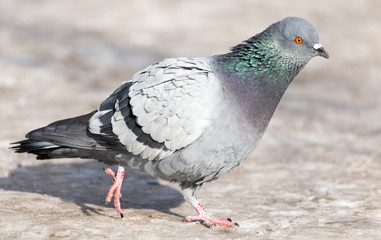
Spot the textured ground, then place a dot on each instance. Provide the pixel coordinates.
(315, 175)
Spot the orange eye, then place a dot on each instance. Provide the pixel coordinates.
(298, 40)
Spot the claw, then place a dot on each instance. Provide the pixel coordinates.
(208, 224)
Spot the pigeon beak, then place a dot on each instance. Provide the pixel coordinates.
(320, 50)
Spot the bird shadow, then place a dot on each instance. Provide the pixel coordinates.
(87, 184)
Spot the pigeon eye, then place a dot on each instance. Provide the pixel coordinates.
(298, 40)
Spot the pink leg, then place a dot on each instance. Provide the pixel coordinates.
(115, 188)
(208, 220)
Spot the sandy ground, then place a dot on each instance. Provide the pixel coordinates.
(315, 175)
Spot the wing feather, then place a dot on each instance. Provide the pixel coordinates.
(163, 108)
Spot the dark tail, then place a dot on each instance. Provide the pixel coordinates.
(41, 149)
(61, 139)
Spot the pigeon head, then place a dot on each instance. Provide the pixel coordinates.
(278, 53)
(297, 38)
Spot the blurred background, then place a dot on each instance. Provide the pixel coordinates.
(316, 174)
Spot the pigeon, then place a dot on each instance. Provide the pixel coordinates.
(187, 120)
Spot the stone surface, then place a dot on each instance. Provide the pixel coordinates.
(315, 175)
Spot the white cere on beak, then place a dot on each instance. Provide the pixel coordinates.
(316, 46)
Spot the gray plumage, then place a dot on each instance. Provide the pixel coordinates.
(188, 120)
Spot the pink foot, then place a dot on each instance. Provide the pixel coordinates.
(208, 220)
(115, 188)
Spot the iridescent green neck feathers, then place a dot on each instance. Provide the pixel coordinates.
(264, 58)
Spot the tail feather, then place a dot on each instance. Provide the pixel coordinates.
(32, 145)
(43, 150)
(47, 150)
(71, 132)
(65, 138)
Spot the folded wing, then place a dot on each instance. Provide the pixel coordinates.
(163, 108)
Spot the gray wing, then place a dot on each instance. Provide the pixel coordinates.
(163, 108)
